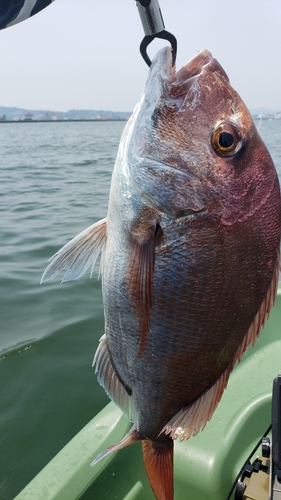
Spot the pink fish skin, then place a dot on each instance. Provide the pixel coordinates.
(190, 256)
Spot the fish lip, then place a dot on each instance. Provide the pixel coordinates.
(179, 83)
(192, 68)
(164, 80)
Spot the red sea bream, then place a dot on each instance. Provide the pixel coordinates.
(189, 256)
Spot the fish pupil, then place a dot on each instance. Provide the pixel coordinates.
(226, 140)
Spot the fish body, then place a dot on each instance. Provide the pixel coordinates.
(190, 256)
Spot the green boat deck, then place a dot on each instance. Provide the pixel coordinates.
(205, 466)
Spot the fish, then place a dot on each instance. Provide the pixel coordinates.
(189, 256)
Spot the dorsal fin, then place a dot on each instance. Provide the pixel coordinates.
(262, 315)
(78, 254)
(190, 420)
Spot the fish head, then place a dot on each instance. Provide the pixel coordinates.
(196, 144)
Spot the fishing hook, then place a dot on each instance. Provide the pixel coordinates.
(153, 25)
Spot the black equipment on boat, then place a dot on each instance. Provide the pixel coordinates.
(261, 479)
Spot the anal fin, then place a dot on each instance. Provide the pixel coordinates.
(109, 380)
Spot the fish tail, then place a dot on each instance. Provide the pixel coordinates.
(158, 459)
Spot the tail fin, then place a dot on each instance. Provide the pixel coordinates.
(158, 460)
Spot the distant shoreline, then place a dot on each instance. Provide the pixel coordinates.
(66, 121)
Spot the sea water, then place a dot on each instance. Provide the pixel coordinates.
(54, 182)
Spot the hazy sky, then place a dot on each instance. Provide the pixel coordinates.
(84, 54)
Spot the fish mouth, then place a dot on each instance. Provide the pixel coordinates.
(164, 81)
(178, 83)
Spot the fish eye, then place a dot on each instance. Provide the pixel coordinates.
(226, 140)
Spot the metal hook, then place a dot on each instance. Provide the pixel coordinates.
(149, 38)
(153, 25)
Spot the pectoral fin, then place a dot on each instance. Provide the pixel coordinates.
(78, 254)
(140, 277)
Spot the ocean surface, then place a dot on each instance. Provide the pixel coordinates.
(54, 182)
